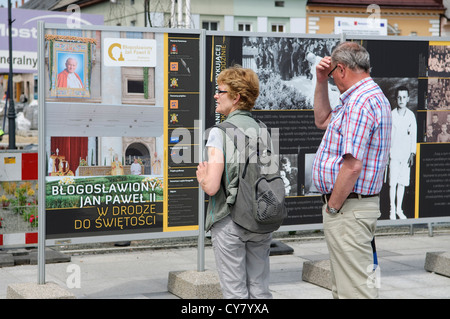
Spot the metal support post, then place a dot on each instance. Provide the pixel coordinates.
(201, 129)
(11, 106)
(41, 155)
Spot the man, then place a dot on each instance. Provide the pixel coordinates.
(68, 78)
(349, 166)
(291, 174)
(448, 122)
(436, 125)
(136, 168)
(430, 137)
(403, 150)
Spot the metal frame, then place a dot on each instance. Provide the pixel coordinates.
(41, 154)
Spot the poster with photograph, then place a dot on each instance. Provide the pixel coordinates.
(110, 157)
(397, 197)
(439, 59)
(69, 68)
(117, 188)
(73, 66)
(433, 120)
(415, 185)
(286, 69)
(405, 89)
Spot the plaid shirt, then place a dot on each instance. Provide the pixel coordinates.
(360, 126)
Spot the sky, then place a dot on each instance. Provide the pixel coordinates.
(13, 3)
(5, 3)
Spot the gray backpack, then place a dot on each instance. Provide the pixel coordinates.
(260, 200)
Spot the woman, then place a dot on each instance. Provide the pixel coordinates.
(242, 257)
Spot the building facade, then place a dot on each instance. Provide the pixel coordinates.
(404, 18)
(237, 15)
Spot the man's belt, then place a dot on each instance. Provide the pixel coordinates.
(326, 197)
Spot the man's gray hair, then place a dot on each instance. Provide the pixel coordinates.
(353, 55)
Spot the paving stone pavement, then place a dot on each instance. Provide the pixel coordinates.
(143, 273)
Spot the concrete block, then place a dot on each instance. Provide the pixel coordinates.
(438, 262)
(36, 291)
(317, 273)
(195, 284)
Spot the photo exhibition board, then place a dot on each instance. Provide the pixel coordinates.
(122, 123)
(121, 109)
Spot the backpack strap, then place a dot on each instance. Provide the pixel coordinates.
(235, 134)
(263, 126)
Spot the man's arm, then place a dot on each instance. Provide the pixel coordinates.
(322, 108)
(347, 176)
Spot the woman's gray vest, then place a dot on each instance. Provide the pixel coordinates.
(218, 206)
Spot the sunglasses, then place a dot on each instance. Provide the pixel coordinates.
(329, 74)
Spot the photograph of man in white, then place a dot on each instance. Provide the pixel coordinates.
(403, 150)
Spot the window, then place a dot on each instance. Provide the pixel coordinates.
(135, 86)
(133, 92)
(277, 27)
(210, 25)
(279, 3)
(244, 27)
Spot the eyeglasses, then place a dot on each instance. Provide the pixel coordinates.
(329, 74)
(220, 91)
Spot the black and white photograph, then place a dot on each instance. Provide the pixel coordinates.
(389, 87)
(439, 61)
(438, 127)
(402, 95)
(289, 174)
(309, 189)
(438, 95)
(286, 70)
